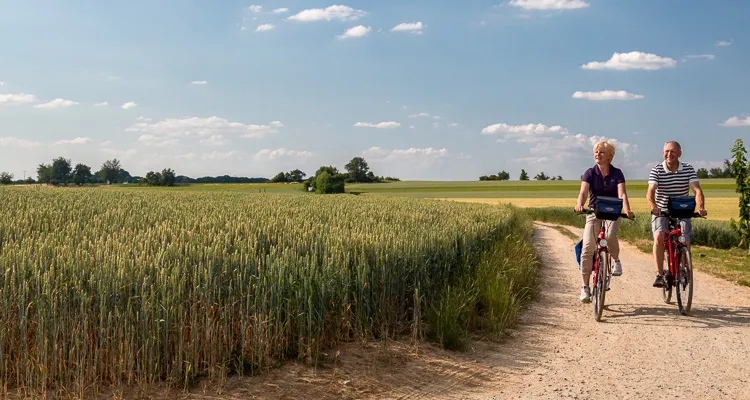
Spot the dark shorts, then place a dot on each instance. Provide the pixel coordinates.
(660, 224)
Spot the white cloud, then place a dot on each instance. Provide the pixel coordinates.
(632, 60)
(129, 105)
(703, 56)
(199, 83)
(256, 8)
(2, 83)
(607, 95)
(57, 103)
(157, 141)
(414, 27)
(213, 140)
(723, 43)
(549, 4)
(435, 125)
(355, 32)
(280, 10)
(18, 142)
(381, 125)
(522, 130)
(735, 122)
(335, 12)
(102, 104)
(78, 140)
(205, 127)
(453, 125)
(404, 159)
(106, 143)
(15, 99)
(215, 155)
(142, 118)
(422, 114)
(268, 154)
(264, 28)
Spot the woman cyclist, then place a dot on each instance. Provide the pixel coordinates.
(603, 179)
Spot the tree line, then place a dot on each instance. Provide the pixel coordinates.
(718, 172)
(524, 176)
(327, 179)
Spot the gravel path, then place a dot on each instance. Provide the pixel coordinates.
(642, 348)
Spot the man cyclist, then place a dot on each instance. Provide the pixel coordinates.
(670, 178)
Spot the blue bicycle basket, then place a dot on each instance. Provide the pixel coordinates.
(578, 249)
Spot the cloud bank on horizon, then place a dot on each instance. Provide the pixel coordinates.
(441, 91)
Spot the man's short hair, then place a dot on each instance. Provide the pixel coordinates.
(674, 142)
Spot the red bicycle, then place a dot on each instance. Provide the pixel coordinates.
(679, 272)
(602, 269)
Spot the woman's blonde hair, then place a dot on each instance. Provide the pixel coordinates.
(609, 149)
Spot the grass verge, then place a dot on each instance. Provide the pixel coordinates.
(489, 294)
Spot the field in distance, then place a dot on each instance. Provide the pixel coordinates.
(721, 198)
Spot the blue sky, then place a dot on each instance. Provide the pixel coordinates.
(423, 90)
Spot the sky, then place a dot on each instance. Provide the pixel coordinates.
(421, 89)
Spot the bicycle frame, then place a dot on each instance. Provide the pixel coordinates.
(673, 247)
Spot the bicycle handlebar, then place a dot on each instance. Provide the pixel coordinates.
(666, 214)
(593, 212)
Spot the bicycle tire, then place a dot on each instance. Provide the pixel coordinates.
(666, 290)
(600, 285)
(684, 281)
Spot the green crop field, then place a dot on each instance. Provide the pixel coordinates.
(104, 287)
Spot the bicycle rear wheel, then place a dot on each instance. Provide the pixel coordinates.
(684, 281)
(600, 285)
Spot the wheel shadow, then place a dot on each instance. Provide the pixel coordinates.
(704, 316)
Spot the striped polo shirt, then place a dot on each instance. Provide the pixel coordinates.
(671, 183)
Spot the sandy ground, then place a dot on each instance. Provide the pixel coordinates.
(642, 348)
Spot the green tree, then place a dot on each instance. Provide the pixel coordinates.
(503, 176)
(524, 176)
(110, 171)
(6, 178)
(559, 177)
(541, 177)
(153, 178)
(357, 169)
(44, 173)
(326, 183)
(61, 170)
(81, 174)
(702, 173)
(279, 178)
(167, 177)
(296, 176)
(741, 172)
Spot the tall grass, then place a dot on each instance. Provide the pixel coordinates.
(708, 233)
(105, 288)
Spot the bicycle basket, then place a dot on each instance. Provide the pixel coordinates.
(608, 208)
(681, 206)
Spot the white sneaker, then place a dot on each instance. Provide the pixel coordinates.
(585, 294)
(617, 270)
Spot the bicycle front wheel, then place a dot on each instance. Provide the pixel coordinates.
(666, 290)
(684, 281)
(600, 285)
